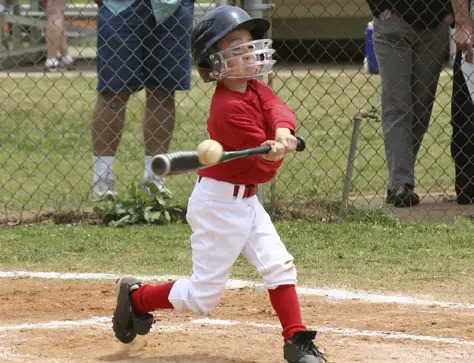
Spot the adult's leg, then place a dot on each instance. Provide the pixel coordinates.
(107, 128)
(428, 57)
(159, 120)
(166, 69)
(393, 39)
(56, 40)
(119, 62)
(108, 122)
(462, 142)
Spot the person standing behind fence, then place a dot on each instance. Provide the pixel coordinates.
(56, 39)
(141, 44)
(409, 38)
(462, 144)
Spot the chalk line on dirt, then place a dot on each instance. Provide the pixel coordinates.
(330, 293)
(106, 321)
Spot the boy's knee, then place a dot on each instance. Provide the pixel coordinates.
(283, 273)
(186, 297)
(197, 304)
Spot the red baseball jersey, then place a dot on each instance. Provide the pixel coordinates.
(244, 120)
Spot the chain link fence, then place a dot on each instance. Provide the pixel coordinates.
(326, 72)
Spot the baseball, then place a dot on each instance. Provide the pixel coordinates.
(209, 152)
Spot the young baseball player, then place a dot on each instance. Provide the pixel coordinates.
(224, 213)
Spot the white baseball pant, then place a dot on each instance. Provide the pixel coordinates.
(223, 227)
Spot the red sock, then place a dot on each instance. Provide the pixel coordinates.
(285, 301)
(151, 297)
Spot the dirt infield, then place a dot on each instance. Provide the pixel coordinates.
(45, 320)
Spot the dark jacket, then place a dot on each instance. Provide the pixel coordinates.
(421, 14)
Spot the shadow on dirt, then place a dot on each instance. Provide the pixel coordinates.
(124, 356)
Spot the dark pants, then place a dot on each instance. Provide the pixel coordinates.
(462, 143)
(410, 62)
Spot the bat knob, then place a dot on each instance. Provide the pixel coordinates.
(160, 165)
(300, 144)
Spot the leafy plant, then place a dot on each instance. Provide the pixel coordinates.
(153, 206)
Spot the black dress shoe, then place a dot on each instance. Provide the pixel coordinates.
(403, 196)
(390, 195)
(465, 200)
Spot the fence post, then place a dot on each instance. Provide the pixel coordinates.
(358, 117)
(255, 9)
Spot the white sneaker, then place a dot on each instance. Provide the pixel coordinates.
(157, 182)
(103, 189)
(66, 61)
(51, 65)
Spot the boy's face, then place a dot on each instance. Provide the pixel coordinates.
(239, 58)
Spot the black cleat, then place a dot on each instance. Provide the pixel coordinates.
(126, 322)
(301, 349)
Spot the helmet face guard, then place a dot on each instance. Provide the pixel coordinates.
(214, 26)
(247, 60)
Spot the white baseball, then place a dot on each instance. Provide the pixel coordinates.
(209, 152)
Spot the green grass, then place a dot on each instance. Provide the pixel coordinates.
(46, 157)
(376, 253)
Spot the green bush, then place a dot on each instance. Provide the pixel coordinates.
(141, 207)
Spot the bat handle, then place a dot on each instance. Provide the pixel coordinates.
(300, 146)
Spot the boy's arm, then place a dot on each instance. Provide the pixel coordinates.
(277, 114)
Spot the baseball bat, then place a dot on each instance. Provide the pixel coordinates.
(184, 161)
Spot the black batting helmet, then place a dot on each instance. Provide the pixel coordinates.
(214, 26)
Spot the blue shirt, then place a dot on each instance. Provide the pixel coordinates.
(162, 9)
